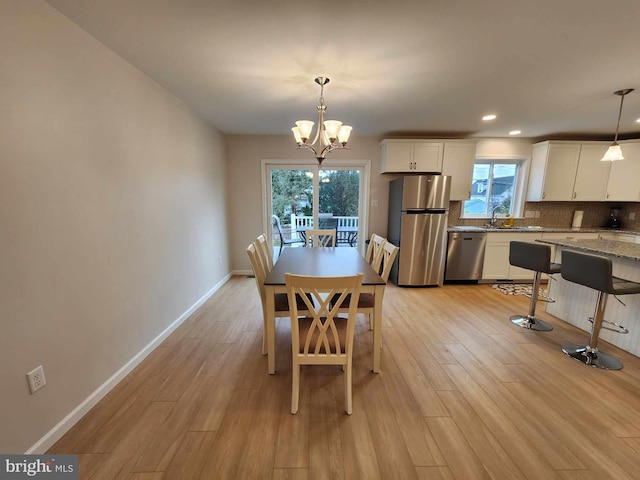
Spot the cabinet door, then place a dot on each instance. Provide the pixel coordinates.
(427, 157)
(590, 184)
(560, 172)
(623, 182)
(397, 157)
(496, 261)
(458, 162)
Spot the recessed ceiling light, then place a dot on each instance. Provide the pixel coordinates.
(515, 132)
(486, 118)
(638, 120)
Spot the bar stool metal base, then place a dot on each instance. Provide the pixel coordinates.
(530, 322)
(595, 358)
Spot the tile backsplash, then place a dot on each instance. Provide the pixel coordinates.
(560, 214)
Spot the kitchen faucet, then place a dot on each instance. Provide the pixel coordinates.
(493, 221)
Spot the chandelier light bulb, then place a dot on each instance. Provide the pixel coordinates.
(613, 153)
(304, 127)
(344, 133)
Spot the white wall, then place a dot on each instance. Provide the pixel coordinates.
(504, 147)
(112, 215)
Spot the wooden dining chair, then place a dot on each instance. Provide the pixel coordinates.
(265, 252)
(281, 301)
(318, 335)
(373, 256)
(321, 237)
(366, 302)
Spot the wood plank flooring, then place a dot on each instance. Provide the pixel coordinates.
(463, 394)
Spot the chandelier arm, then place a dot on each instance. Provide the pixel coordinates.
(331, 147)
(309, 147)
(321, 110)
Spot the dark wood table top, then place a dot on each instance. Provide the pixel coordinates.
(322, 262)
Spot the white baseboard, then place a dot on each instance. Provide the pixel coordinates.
(53, 435)
(242, 273)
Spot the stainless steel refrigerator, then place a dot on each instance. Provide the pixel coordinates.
(418, 216)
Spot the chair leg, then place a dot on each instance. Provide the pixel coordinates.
(530, 321)
(264, 332)
(348, 399)
(295, 387)
(589, 354)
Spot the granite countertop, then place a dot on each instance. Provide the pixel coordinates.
(474, 228)
(612, 248)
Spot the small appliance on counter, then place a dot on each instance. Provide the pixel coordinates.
(615, 219)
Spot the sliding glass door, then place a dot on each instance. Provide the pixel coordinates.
(300, 196)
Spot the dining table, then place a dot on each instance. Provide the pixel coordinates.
(322, 262)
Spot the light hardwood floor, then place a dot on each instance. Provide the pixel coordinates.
(463, 394)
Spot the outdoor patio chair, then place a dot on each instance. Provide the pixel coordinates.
(284, 241)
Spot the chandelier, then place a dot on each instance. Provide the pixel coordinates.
(330, 135)
(613, 152)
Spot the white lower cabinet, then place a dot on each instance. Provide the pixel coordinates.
(496, 256)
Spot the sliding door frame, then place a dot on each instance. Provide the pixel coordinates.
(311, 164)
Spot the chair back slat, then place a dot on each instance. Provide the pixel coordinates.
(321, 237)
(264, 252)
(258, 270)
(388, 254)
(373, 255)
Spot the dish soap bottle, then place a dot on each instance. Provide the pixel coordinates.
(509, 221)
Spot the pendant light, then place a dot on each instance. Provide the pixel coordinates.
(330, 135)
(614, 153)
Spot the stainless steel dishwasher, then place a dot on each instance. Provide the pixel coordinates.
(465, 255)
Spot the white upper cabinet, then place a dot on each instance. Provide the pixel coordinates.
(589, 184)
(411, 156)
(458, 162)
(624, 177)
(553, 171)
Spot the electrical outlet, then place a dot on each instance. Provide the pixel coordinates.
(537, 214)
(219, 260)
(632, 216)
(36, 379)
(529, 214)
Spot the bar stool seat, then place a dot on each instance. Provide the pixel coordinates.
(595, 271)
(536, 257)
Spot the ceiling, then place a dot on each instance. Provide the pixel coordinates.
(418, 68)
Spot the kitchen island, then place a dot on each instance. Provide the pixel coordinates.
(575, 303)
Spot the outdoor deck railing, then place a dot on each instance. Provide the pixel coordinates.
(346, 231)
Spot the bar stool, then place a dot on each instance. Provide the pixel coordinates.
(536, 257)
(595, 271)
